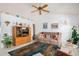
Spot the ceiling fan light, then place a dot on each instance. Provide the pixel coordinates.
(40, 8)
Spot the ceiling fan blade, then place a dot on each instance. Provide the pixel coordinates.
(44, 6)
(45, 10)
(34, 11)
(40, 12)
(34, 6)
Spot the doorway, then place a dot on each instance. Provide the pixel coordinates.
(33, 31)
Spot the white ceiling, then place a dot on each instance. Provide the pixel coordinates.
(25, 9)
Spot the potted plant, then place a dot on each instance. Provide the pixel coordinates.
(7, 40)
(75, 35)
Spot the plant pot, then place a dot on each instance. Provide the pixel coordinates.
(8, 46)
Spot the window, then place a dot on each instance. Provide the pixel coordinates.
(54, 25)
(45, 25)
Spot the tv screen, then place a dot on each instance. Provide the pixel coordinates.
(25, 31)
(22, 32)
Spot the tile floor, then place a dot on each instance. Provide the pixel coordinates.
(4, 51)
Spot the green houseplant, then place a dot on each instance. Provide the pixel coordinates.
(75, 36)
(7, 40)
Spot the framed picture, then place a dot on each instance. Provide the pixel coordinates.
(54, 25)
(45, 25)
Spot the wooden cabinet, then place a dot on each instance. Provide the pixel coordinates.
(21, 35)
(51, 35)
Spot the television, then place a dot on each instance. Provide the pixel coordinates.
(22, 32)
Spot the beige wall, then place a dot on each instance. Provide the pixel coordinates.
(12, 20)
(59, 13)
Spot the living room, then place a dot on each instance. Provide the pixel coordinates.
(28, 23)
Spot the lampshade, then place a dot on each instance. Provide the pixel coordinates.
(7, 23)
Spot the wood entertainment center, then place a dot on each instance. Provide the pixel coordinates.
(21, 35)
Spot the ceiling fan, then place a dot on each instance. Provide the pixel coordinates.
(40, 9)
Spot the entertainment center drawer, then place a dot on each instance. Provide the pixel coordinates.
(20, 42)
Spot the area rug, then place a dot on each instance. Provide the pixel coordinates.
(30, 50)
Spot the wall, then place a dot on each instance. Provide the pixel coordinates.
(65, 24)
(13, 20)
(0, 30)
(0, 36)
(57, 14)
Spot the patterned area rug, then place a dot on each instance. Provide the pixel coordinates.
(30, 50)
